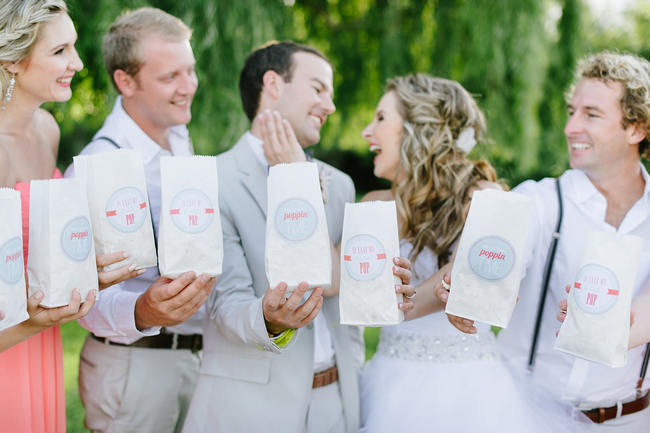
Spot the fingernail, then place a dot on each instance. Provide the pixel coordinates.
(40, 294)
(205, 279)
(444, 296)
(125, 255)
(132, 267)
(397, 286)
(394, 268)
(401, 305)
(141, 271)
(137, 268)
(472, 331)
(395, 260)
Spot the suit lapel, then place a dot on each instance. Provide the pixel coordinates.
(253, 174)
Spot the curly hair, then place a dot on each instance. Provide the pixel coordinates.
(633, 73)
(434, 200)
(20, 21)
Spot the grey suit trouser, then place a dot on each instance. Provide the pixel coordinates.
(325, 410)
(136, 390)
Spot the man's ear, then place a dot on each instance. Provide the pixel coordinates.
(125, 83)
(272, 84)
(635, 133)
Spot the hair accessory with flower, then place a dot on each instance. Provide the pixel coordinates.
(466, 140)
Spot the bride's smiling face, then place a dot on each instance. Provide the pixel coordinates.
(384, 136)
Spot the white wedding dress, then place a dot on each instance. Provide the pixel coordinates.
(427, 376)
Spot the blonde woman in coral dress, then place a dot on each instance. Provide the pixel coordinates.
(37, 63)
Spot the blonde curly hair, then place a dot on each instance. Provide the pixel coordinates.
(20, 21)
(633, 72)
(433, 200)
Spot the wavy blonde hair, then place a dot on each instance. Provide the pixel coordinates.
(433, 200)
(20, 22)
(633, 72)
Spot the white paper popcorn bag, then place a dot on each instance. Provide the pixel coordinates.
(369, 243)
(13, 293)
(61, 252)
(487, 269)
(189, 236)
(119, 205)
(297, 239)
(597, 325)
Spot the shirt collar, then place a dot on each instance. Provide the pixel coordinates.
(256, 146)
(582, 189)
(123, 129)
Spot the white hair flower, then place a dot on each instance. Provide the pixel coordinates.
(466, 140)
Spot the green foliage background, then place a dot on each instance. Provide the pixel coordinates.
(516, 56)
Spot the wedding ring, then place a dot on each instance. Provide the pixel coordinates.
(412, 296)
(445, 285)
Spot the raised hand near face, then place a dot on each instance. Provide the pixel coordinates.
(280, 143)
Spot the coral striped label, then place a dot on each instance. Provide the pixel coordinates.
(596, 289)
(191, 211)
(126, 209)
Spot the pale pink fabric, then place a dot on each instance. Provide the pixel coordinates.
(32, 392)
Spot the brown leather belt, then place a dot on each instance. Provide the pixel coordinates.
(192, 342)
(602, 414)
(325, 377)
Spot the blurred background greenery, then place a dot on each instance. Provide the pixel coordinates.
(516, 56)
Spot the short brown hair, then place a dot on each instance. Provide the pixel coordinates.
(121, 46)
(272, 56)
(633, 72)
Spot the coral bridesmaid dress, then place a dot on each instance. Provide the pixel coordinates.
(32, 393)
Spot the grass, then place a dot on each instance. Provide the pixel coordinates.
(73, 338)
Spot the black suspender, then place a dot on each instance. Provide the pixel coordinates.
(547, 276)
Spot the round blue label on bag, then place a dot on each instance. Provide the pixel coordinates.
(126, 209)
(491, 258)
(364, 257)
(191, 211)
(76, 239)
(595, 289)
(296, 219)
(11, 261)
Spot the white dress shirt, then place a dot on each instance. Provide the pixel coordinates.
(582, 383)
(113, 315)
(323, 349)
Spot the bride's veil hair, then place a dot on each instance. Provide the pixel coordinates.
(433, 200)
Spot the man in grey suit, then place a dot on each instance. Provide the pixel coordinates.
(272, 363)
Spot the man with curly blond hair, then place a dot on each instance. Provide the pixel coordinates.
(606, 189)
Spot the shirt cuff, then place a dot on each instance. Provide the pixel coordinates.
(124, 314)
(284, 338)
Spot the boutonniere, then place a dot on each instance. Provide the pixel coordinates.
(325, 176)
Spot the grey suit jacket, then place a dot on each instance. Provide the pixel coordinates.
(248, 384)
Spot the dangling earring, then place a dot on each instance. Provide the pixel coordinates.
(9, 92)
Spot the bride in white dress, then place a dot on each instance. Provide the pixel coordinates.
(427, 376)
